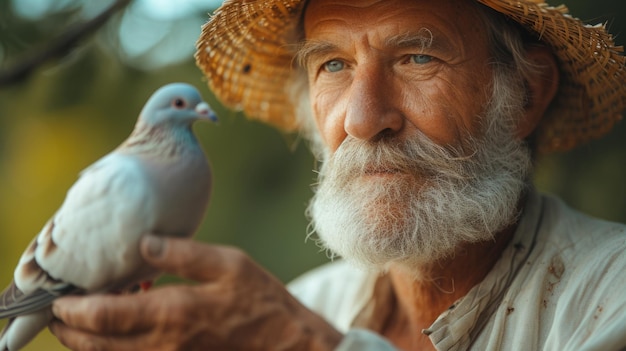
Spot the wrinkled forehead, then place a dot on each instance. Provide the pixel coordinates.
(449, 29)
(331, 15)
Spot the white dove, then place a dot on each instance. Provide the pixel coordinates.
(157, 181)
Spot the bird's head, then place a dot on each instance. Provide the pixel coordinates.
(176, 104)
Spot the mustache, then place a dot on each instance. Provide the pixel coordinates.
(418, 156)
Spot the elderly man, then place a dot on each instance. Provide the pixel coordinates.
(426, 115)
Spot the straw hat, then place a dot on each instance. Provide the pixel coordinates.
(243, 51)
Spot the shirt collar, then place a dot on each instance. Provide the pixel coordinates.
(456, 327)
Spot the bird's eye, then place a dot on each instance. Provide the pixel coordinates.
(179, 103)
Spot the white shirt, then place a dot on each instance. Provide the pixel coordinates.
(559, 285)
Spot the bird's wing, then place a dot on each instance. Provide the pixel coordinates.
(92, 240)
(13, 301)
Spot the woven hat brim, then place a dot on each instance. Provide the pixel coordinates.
(246, 54)
(246, 60)
(592, 89)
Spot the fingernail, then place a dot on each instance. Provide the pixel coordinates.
(153, 245)
(56, 310)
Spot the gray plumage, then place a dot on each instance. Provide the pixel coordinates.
(157, 181)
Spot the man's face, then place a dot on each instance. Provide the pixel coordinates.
(401, 93)
(396, 67)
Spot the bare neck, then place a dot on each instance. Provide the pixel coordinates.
(423, 297)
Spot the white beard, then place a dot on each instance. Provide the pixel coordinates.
(434, 199)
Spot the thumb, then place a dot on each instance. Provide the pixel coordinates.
(185, 258)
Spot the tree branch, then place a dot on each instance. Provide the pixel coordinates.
(59, 47)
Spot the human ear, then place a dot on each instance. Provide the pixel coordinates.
(542, 84)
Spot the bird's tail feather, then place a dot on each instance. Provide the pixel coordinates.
(3, 336)
(22, 329)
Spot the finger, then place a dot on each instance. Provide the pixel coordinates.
(79, 340)
(107, 314)
(191, 259)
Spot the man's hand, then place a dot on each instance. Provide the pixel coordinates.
(236, 306)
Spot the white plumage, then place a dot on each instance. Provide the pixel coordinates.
(157, 181)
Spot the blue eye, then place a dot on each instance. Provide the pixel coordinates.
(333, 66)
(421, 59)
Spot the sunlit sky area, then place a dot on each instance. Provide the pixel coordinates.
(151, 34)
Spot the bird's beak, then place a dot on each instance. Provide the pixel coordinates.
(204, 110)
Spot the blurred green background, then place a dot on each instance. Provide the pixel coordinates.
(74, 109)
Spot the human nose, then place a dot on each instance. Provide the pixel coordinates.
(371, 110)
